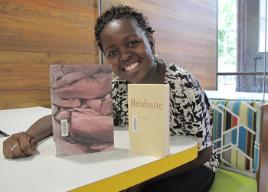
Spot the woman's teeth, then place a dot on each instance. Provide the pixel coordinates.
(132, 66)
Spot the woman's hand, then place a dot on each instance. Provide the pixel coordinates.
(19, 145)
(24, 143)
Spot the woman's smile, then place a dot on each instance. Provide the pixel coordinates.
(132, 67)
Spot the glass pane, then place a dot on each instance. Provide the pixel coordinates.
(227, 83)
(227, 35)
(242, 86)
(250, 83)
(250, 59)
(262, 25)
(241, 35)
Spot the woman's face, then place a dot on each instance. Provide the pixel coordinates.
(127, 49)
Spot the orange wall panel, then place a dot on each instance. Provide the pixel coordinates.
(35, 34)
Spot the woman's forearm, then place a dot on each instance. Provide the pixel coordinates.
(41, 128)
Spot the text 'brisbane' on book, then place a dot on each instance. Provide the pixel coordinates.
(148, 115)
(82, 117)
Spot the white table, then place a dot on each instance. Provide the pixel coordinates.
(98, 171)
(17, 120)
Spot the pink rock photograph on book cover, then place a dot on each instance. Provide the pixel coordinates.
(82, 116)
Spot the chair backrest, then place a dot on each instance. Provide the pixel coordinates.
(236, 134)
(263, 166)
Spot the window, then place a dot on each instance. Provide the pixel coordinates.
(242, 28)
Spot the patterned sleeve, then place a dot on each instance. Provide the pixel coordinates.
(200, 113)
(120, 103)
(190, 108)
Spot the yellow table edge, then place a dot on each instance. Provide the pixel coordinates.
(142, 173)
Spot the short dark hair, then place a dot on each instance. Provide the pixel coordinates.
(124, 12)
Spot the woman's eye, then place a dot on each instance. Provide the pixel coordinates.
(133, 43)
(112, 54)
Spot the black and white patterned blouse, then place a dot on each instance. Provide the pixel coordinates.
(189, 108)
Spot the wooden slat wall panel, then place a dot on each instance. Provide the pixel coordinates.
(35, 34)
(185, 33)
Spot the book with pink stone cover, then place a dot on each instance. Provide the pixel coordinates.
(81, 100)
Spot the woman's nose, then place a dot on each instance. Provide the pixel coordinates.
(125, 55)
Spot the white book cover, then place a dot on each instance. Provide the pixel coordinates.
(148, 112)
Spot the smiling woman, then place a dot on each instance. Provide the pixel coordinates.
(126, 38)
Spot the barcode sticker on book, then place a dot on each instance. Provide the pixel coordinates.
(64, 125)
(134, 123)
